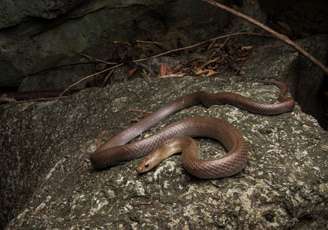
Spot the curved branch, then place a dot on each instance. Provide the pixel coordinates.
(279, 36)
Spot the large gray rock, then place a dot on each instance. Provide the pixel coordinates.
(15, 12)
(306, 79)
(43, 50)
(45, 162)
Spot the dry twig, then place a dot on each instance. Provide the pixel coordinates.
(202, 43)
(97, 59)
(88, 77)
(164, 53)
(279, 36)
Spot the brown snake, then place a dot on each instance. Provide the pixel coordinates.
(116, 150)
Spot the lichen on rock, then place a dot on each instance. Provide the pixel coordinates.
(283, 185)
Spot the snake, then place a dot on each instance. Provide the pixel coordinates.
(177, 137)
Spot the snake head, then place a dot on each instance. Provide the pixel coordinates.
(153, 159)
(149, 162)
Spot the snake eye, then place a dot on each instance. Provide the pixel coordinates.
(146, 165)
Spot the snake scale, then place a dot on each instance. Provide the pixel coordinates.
(176, 136)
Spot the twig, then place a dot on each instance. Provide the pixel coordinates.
(173, 75)
(88, 77)
(12, 100)
(210, 62)
(164, 53)
(202, 43)
(97, 59)
(279, 36)
(149, 42)
(107, 77)
(158, 44)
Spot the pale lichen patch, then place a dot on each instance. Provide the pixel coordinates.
(284, 180)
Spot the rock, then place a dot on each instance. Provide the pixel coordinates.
(251, 8)
(306, 80)
(38, 51)
(45, 164)
(15, 12)
(308, 18)
(56, 46)
(47, 180)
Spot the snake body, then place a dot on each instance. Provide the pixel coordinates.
(118, 150)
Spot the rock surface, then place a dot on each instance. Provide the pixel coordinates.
(47, 39)
(47, 180)
(307, 80)
(46, 147)
(15, 12)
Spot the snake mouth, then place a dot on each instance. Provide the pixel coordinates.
(143, 168)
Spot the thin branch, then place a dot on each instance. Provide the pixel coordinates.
(162, 54)
(202, 43)
(149, 42)
(158, 44)
(88, 77)
(97, 59)
(279, 36)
